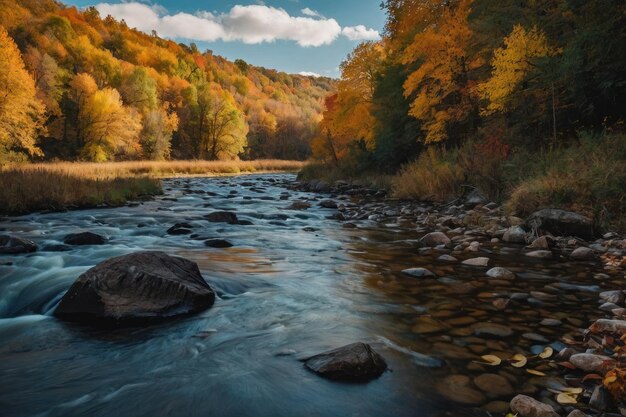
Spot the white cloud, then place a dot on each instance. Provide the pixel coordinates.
(251, 24)
(360, 33)
(310, 74)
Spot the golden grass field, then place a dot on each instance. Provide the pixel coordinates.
(56, 186)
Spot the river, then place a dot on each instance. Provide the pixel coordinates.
(295, 284)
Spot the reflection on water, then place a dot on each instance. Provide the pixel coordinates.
(294, 284)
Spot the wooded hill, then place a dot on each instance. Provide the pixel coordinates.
(77, 85)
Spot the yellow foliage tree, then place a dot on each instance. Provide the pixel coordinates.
(21, 113)
(511, 64)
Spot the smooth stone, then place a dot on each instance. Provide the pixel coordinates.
(434, 239)
(551, 322)
(590, 362)
(222, 217)
(354, 362)
(542, 242)
(582, 253)
(494, 385)
(541, 254)
(418, 272)
(218, 243)
(180, 229)
(457, 388)
(137, 287)
(514, 234)
(492, 329)
(609, 326)
(14, 245)
(577, 413)
(84, 238)
(299, 205)
(500, 273)
(447, 258)
(526, 406)
(616, 296)
(329, 204)
(481, 261)
(600, 399)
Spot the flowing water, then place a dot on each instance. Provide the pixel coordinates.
(295, 284)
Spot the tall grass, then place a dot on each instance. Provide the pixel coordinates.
(55, 186)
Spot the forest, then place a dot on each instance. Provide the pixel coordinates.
(75, 85)
(523, 99)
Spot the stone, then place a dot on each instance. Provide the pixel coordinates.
(494, 385)
(514, 234)
(541, 254)
(590, 362)
(561, 223)
(481, 261)
(180, 229)
(582, 253)
(354, 362)
(617, 327)
(577, 413)
(434, 239)
(457, 388)
(222, 217)
(447, 258)
(542, 242)
(600, 399)
(299, 205)
(13, 245)
(139, 287)
(615, 296)
(218, 243)
(500, 273)
(475, 198)
(418, 272)
(329, 204)
(492, 329)
(526, 406)
(84, 238)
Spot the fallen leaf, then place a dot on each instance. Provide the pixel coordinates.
(591, 376)
(547, 352)
(491, 360)
(565, 398)
(535, 372)
(519, 361)
(567, 365)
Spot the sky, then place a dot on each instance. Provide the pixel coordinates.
(296, 36)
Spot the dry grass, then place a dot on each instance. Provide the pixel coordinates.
(56, 186)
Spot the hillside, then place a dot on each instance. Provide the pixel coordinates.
(85, 86)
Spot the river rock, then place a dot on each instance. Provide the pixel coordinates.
(434, 239)
(577, 413)
(218, 243)
(526, 406)
(354, 362)
(480, 261)
(615, 296)
(600, 399)
(542, 242)
(561, 223)
(14, 245)
(299, 205)
(514, 234)
(84, 238)
(494, 385)
(492, 329)
(418, 272)
(136, 287)
(457, 388)
(222, 217)
(180, 229)
(500, 273)
(475, 198)
(541, 254)
(329, 204)
(582, 253)
(590, 362)
(617, 327)
(447, 258)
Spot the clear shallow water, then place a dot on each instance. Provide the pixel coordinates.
(284, 294)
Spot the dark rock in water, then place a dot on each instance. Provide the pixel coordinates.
(56, 248)
(84, 238)
(15, 245)
(138, 287)
(561, 223)
(299, 205)
(600, 399)
(434, 239)
(244, 223)
(354, 362)
(222, 217)
(330, 204)
(218, 243)
(180, 229)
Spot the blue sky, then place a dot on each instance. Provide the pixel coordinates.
(290, 35)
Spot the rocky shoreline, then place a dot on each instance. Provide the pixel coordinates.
(592, 365)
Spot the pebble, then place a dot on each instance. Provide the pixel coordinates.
(481, 261)
(499, 272)
(418, 272)
(542, 254)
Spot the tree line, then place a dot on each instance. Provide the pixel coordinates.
(78, 86)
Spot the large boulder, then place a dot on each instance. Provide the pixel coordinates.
(561, 223)
(84, 238)
(136, 287)
(354, 362)
(14, 245)
(434, 239)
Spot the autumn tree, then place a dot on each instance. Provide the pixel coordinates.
(225, 133)
(21, 113)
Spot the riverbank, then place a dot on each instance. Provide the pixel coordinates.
(561, 367)
(26, 188)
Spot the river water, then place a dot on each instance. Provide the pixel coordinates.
(295, 284)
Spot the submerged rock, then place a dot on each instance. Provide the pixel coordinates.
(329, 204)
(354, 362)
(500, 273)
(218, 243)
(136, 287)
(180, 229)
(84, 238)
(222, 217)
(480, 261)
(457, 388)
(418, 272)
(561, 223)
(582, 253)
(434, 239)
(526, 406)
(15, 245)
